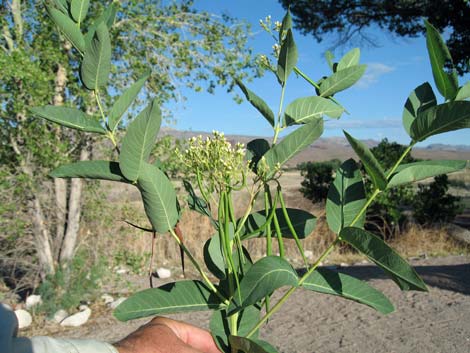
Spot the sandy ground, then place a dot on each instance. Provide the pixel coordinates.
(437, 321)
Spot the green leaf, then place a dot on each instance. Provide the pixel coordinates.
(69, 117)
(372, 165)
(287, 57)
(303, 222)
(139, 141)
(340, 284)
(68, 27)
(330, 60)
(346, 197)
(443, 71)
(96, 63)
(125, 100)
(257, 102)
(265, 276)
(248, 345)
(195, 202)
(351, 58)
(220, 326)
(464, 92)
(159, 197)
(177, 297)
(104, 170)
(292, 144)
(61, 5)
(213, 257)
(441, 118)
(411, 172)
(419, 100)
(304, 110)
(107, 17)
(255, 150)
(285, 25)
(384, 257)
(79, 9)
(341, 80)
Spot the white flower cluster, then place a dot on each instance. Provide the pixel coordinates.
(219, 164)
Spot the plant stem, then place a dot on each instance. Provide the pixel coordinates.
(198, 268)
(278, 127)
(269, 249)
(286, 296)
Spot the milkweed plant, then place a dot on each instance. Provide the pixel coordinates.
(237, 290)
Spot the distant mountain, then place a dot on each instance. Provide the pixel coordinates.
(327, 148)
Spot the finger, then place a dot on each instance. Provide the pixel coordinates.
(191, 335)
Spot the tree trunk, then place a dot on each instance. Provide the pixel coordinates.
(42, 239)
(74, 211)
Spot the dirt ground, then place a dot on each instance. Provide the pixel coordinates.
(437, 321)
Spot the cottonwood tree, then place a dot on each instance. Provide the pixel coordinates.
(183, 47)
(353, 19)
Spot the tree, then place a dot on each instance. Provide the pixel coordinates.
(182, 46)
(351, 19)
(317, 179)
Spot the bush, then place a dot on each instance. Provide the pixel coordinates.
(432, 203)
(75, 284)
(317, 178)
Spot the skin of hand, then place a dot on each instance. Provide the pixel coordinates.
(162, 335)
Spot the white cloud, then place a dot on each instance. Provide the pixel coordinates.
(390, 123)
(373, 73)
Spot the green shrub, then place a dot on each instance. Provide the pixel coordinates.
(317, 178)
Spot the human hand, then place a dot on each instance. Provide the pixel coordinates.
(162, 335)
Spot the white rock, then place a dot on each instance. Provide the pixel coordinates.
(107, 298)
(364, 262)
(77, 319)
(118, 301)
(32, 301)
(60, 315)
(121, 271)
(163, 272)
(24, 318)
(343, 264)
(309, 254)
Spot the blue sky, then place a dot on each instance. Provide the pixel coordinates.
(375, 103)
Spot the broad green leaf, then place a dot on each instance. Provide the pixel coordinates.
(220, 326)
(68, 27)
(159, 198)
(248, 345)
(303, 222)
(341, 80)
(125, 100)
(292, 144)
(330, 60)
(331, 282)
(419, 100)
(443, 71)
(213, 256)
(372, 165)
(139, 141)
(255, 149)
(346, 197)
(287, 57)
(69, 117)
(104, 170)
(257, 102)
(96, 63)
(61, 5)
(177, 297)
(304, 110)
(285, 25)
(107, 17)
(351, 58)
(79, 9)
(411, 172)
(195, 202)
(265, 276)
(441, 118)
(464, 92)
(384, 257)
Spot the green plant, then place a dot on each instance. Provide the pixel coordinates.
(318, 177)
(69, 286)
(242, 287)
